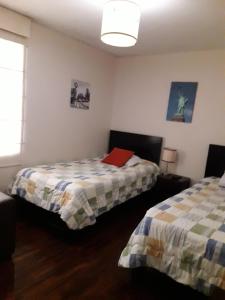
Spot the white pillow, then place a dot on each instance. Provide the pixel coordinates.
(133, 161)
(222, 181)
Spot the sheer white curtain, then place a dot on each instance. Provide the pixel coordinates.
(15, 30)
(12, 54)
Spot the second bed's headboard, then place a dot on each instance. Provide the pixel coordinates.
(215, 165)
(145, 146)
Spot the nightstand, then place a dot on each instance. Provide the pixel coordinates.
(168, 185)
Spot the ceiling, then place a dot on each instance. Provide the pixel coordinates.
(166, 25)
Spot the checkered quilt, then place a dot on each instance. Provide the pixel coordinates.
(184, 237)
(79, 191)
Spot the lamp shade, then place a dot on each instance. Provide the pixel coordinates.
(169, 155)
(120, 23)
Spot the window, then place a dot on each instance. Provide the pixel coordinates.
(11, 99)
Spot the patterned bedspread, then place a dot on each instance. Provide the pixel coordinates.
(184, 237)
(79, 191)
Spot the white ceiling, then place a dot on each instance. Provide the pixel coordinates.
(166, 25)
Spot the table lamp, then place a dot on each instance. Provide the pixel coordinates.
(169, 156)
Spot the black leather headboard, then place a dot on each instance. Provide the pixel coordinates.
(145, 146)
(215, 165)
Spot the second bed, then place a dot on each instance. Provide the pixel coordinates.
(184, 236)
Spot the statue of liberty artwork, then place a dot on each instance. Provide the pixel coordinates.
(181, 101)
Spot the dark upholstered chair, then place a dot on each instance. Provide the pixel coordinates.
(7, 226)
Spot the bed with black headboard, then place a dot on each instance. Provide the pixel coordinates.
(80, 191)
(184, 236)
(215, 164)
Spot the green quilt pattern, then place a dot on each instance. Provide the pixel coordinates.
(184, 237)
(79, 191)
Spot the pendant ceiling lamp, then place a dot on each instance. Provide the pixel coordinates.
(120, 23)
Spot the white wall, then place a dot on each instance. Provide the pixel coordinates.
(141, 99)
(53, 130)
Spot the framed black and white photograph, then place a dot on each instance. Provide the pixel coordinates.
(80, 94)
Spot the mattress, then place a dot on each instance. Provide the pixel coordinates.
(80, 191)
(184, 237)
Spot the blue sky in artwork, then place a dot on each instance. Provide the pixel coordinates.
(186, 89)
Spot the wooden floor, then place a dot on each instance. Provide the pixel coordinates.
(49, 265)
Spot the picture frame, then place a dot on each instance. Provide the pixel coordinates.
(80, 94)
(181, 101)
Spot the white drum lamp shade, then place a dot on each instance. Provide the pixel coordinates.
(120, 23)
(169, 156)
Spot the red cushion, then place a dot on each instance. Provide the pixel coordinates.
(118, 157)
